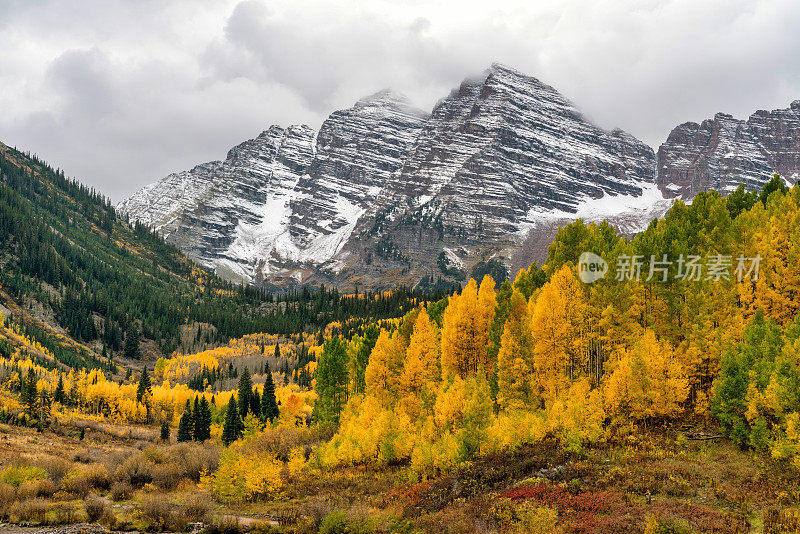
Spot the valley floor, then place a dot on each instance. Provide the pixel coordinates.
(651, 482)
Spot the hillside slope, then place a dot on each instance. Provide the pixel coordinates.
(92, 288)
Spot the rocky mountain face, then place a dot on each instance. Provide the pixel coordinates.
(722, 152)
(386, 193)
(231, 215)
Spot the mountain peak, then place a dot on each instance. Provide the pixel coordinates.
(390, 99)
(497, 67)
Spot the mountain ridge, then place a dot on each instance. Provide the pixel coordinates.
(387, 193)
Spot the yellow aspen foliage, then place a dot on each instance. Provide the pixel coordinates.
(649, 382)
(618, 318)
(487, 301)
(368, 432)
(462, 415)
(243, 475)
(578, 414)
(512, 428)
(516, 379)
(385, 366)
(421, 372)
(700, 352)
(465, 329)
(778, 285)
(297, 461)
(787, 447)
(556, 316)
(464, 404)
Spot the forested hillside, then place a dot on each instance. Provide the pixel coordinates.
(71, 263)
(698, 323)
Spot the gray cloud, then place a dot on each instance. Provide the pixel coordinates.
(121, 92)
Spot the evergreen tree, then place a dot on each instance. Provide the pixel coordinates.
(197, 428)
(360, 359)
(165, 431)
(269, 405)
(132, 344)
(331, 380)
(186, 424)
(245, 391)
(232, 429)
(59, 393)
(29, 395)
(44, 406)
(144, 388)
(202, 421)
(255, 403)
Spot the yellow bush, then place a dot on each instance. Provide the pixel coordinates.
(82, 480)
(536, 520)
(16, 475)
(243, 476)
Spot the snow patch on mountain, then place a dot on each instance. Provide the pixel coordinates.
(630, 214)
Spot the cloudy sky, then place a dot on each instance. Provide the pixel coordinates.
(120, 93)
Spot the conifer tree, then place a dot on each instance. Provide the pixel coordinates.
(232, 429)
(58, 396)
(332, 381)
(269, 404)
(132, 344)
(202, 421)
(44, 406)
(165, 431)
(255, 403)
(143, 390)
(197, 427)
(29, 394)
(245, 391)
(186, 424)
(360, 359)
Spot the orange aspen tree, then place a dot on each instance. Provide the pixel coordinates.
(422, 370)
(465, 329)
(556, 316)
(385, 366)
(515, 361)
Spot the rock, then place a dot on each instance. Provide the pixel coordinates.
(722, 152)
(550, 473)
(77, 528)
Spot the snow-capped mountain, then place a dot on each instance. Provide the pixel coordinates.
(387, 193)
(722, 152)
(232, 215)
